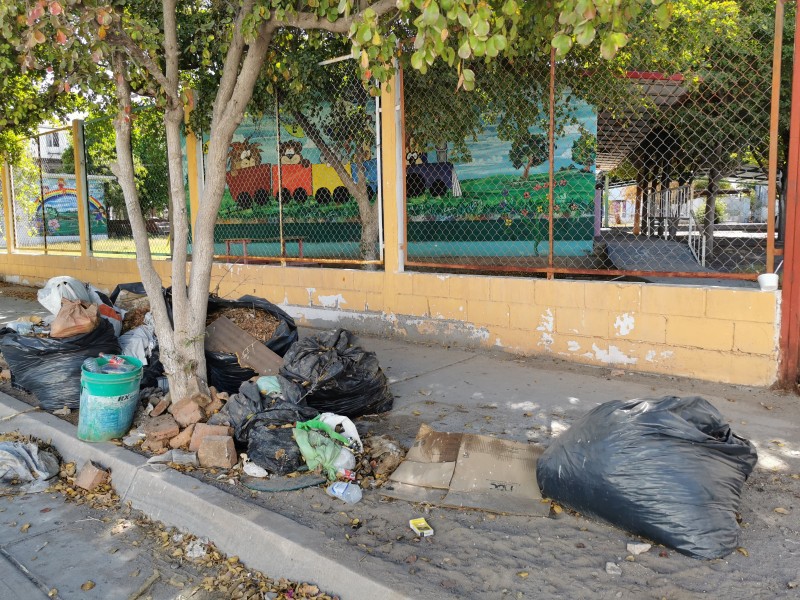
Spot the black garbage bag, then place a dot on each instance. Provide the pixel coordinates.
(331, 374)
(257, 424)
(669, 469)
(51, 368)
(224, 371)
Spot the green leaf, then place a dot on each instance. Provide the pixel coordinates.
(464, 51)
(562, 43)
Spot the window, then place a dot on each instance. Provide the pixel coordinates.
(53, 140)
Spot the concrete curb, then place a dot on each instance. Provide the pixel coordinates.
(262, 539)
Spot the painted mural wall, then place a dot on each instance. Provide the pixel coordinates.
(55, 214)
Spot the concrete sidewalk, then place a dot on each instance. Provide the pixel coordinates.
(452, 390)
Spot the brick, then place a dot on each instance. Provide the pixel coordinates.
(742, 305)
(752, 370)
(674, 300)
(160, 428)
(448, 308)
(582, 321)
(416, 306)
(183, 438)
(511, 289)
(160, 408)
(375, 301)
(368, 281)
(621, 297)
(155, 446)
(203, 430)
(554, 293)
(297, 296)
(401, 283)
(430, 285)
(214, 406)
(639, 327)
(186, 412)
(708, 334)
(755, 338)
(526, 317)
(470, 287)
(5, 375)
(481, 312)
(91, 476)
(217, 451)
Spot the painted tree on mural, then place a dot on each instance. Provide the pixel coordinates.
(145, 48)
(584, 150)
(528, 150)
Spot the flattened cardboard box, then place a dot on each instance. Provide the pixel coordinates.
(469, 471)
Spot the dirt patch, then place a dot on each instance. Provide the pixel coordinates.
(258, 323)
(22, 292)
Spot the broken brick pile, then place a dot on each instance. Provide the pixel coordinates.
(182, 425)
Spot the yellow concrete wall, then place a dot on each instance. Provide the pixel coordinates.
(717, 334)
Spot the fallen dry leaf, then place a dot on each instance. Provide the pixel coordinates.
(88, 586)
(523, 574)
(781, 511)
(24, 528)
(557, 509)
(53, 593)
(743, 551)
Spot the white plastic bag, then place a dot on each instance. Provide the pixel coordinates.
(62, 287)
(348, 427)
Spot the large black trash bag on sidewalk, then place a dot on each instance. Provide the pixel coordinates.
(331, 374)
(668, 469)
(224, 371)
(251, 415)
(51, 368)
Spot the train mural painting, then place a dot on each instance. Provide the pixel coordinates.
(253, 183)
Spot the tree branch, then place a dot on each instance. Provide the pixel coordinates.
(342, 25)
(123, 40)
(230, 69)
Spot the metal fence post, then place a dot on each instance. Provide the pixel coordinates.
(81, 188)
(8, 205)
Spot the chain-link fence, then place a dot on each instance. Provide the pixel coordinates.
(109, 224)
(659, 164)
(303, 176)
(46, 215)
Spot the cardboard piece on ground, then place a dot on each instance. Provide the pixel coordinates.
(223, 335)
(488, 474)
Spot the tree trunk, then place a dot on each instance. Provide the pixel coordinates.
(367, 211)
(526, 173)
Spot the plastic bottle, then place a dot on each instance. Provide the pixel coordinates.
(90, 364)
(344, 490)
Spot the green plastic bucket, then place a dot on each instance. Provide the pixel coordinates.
(108, 402)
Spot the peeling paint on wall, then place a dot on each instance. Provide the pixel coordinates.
(612, 356)
(332, 301)
(573, 346)
(624, 324)
(546, 327)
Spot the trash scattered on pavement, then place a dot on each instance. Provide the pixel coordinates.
(179, 457)
(469, 471)
(197, 548)
(91, 476)
(420, 527)
(345, 491)
(668, 469)
(252, 469)
(74, 318)
(25, 463)
(638, 548)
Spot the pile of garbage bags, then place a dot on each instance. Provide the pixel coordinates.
(45, 357)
